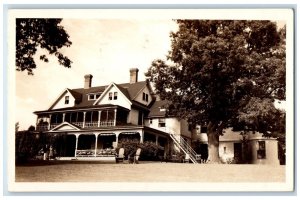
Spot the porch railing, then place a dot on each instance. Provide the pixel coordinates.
(107, 123)
(99, 153)
(90, 124)
(80, 124)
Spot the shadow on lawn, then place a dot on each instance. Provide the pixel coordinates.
(59, 162)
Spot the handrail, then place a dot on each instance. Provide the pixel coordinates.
(186, 148)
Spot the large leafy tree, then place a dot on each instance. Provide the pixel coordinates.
(224, 74)
(47, 34)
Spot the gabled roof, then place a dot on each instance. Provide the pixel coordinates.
(133, 88)
(155, 110)
(108, 88)
(130, 90)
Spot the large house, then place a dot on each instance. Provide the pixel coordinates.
(93, 119)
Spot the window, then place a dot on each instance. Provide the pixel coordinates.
(145, 97)
(150, 120)
(261, 152)
(224, 150)
(110, 96)
(161, 122)
(115, 95)
(91, 96)
(66, 99)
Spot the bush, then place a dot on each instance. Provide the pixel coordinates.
(150, 151)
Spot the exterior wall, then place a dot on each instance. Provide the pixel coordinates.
(133, 117)
(173, 125)
(61, 101)
(271, 147)
(120, 101)
(184, 129)
(139, 98)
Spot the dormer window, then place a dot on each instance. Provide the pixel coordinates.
(93, 96)
(66, 99)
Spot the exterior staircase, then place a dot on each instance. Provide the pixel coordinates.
(186, 148)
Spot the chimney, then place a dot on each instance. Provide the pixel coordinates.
(134, 75)
(88, 81)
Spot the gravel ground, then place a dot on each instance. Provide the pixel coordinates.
(58, 171)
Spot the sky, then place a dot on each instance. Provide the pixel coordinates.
(107, 49)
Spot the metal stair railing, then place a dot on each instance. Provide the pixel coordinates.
(186, 148)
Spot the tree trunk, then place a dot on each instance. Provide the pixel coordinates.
(213, 144)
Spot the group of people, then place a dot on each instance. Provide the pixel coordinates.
(48, 152)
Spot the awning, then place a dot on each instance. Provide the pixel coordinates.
(129, 133)
(106, 134)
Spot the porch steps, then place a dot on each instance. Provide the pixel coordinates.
(186, 148)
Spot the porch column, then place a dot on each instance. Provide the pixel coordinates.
(142, 136)
(117, 140)
(49, 125)
(76, 145)
(156, 139)
(115, 117)
(84, 113)
(64, 115)
(96, 142)
(99, 117)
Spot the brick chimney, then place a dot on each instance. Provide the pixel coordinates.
(134, 75)
(88, 81)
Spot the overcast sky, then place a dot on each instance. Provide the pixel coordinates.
(107, 49)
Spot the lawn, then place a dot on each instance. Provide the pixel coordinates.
(79, 171)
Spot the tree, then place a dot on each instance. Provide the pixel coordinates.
(222, 74)
(47, 34)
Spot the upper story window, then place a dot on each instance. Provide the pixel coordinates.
(150, 120)
(161, 122)
(145, 97)
(93, 96)
(66, 99)
(261, 152)
(113, 96)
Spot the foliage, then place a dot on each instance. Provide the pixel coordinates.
(45, 33)
(220, 72)
(150, 151)
(29, 143)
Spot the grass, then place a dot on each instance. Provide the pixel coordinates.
(67, 171)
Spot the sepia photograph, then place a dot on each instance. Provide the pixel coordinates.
(151, 100)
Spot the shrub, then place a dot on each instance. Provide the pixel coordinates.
(150, 151)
